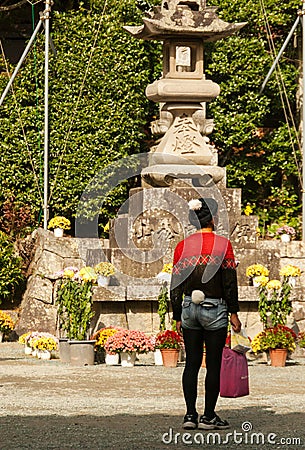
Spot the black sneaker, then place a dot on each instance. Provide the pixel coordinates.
(213, 424)
(190, 421)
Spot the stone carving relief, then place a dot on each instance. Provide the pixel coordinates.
(155, 228)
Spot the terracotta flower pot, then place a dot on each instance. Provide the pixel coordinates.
(278, 357)
(170, 357)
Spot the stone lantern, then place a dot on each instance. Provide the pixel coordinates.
(184, 151)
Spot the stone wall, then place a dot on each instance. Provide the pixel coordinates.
(133, 304)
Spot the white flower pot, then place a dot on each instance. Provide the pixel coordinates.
(103, 281)
(58, 232)
(27, 350)
(45, 354)
(128, 359)
(112, 360)
(285, 238)
(158, 357)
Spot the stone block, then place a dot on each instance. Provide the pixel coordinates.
(39, 288)
(139, 316)
(298, 311)
(248, 294)
(267, 257)
(109, 314)
(36, 315)
(73, 262)
(109, 293)
(49, 263)
(243, 231)
(293, 249)
(97, 255)
(143, 292)
(136, 264)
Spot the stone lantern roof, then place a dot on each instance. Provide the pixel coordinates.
(188, 17)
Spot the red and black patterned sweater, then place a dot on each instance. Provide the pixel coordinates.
(204, 261)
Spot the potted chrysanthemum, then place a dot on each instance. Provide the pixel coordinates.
(256, 270)
(59, 224)
(101, 337)
(74, 302)
(104, 270)
(6, 324)
(128, 343)
(286, 233)
(169, 342)
(278, 341)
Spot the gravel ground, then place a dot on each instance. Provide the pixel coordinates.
(52, 405)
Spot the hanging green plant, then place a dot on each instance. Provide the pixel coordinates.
(163, 303)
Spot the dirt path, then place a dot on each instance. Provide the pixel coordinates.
(52, 405)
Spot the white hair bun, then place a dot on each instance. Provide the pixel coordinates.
(195, 205)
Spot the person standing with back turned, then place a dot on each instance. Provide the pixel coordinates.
(203, 293)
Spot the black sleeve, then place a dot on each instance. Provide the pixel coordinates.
(176, 296)
(230, 289)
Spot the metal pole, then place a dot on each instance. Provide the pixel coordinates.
(280, 54)
(303, 120)
(23, 56)
(46, 115)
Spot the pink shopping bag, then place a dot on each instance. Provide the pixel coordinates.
(234, 377)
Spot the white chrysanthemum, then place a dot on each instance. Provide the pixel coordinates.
(195, 205)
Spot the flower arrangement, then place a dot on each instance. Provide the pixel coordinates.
(39, 340)
(256, 270)
(290, 271)
(59, 222)
(101, 337)
(6, 322)
(169, 339)
(74, 300)
(24, 338)
(105, 269)
(165, 275)
(45, 343)
(285, 229)
(87, 274)
(274, 285)
(301, 339)
(274, 296)
(272, 338)
(128, 341)
(261, 280)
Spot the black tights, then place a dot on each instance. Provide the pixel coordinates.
(214, 342)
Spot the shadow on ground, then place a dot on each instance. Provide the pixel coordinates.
(251, 428)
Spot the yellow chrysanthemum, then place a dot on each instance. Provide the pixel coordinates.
(248, 210)
(290, 271)
(274, 284)
(88, 274)
(262, 280)
(256, 270)
(105, 268)
(60, 222)
(68, 273)
(167, 268)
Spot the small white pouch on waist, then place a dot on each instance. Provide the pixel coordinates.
(197, 296)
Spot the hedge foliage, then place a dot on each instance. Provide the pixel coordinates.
(10, 268)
